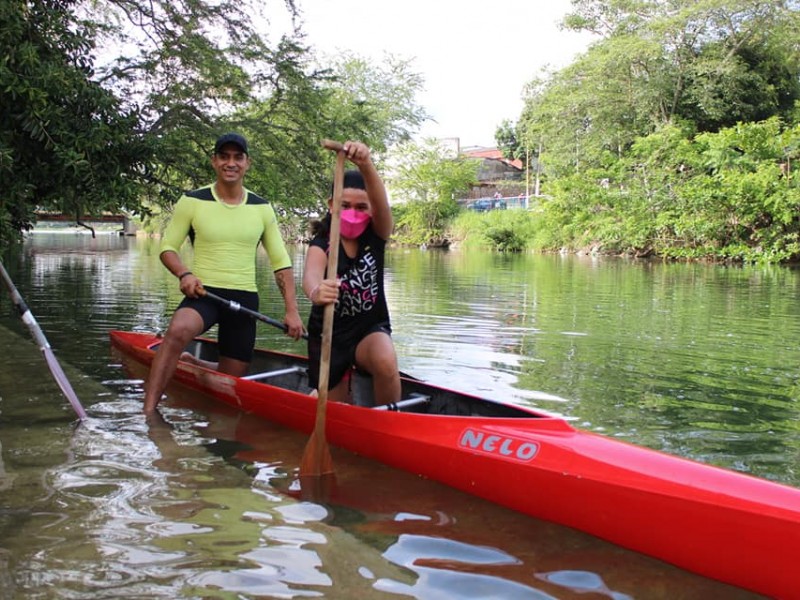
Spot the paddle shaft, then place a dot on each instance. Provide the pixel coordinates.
(236, 307)
(44, 345)
(316, 459)
(336, 147)
(333, 265)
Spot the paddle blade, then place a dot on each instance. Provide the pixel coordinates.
(318, 489)
(63, 382)
(27, 317)
(317, 479)
(317, 459)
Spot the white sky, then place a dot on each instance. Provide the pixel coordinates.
(475, 57)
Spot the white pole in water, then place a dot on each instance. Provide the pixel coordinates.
(527, 174)
(44, 346)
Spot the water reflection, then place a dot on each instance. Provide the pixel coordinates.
(444, 568)
(582, 581)
(386, 531)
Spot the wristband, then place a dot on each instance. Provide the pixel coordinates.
(184, 274)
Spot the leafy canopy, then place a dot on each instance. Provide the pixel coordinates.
(113, 105)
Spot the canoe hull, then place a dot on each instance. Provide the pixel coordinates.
(728, 526)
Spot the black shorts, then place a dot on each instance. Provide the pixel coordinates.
(237, 331)
(343, 356)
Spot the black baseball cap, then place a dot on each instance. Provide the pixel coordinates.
(231, 138)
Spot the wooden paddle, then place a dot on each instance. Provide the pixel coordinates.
(44, 345)
(317, 460)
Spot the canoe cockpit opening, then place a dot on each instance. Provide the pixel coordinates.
(291, 373)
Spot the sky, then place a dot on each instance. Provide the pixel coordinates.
(475, 57)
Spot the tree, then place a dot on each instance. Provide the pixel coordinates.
(197, 68)
(675, 133)
(66, 143)
(507, 140)
(115, 105)
(375, 103)
(712, 63)
(426, 183)
(348, 99)
(118, 109)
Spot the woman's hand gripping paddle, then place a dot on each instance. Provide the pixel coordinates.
(317, 461)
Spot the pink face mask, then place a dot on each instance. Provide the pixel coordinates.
(354, 223)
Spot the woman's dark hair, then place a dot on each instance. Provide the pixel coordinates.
(352, 179)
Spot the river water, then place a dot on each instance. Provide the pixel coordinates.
(691, 359)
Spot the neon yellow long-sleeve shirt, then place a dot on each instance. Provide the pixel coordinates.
(226, 237)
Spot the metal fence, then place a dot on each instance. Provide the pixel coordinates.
(497, 203)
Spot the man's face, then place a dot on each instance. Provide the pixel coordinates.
(230, 164)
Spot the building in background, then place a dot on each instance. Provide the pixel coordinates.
(496, 173)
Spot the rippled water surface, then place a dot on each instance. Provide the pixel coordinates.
(695, 360)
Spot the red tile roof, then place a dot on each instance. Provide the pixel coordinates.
(494, 154)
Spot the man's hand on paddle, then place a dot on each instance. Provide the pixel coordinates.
(191, 286)
(294, 325)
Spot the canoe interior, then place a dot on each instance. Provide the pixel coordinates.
(290, 372)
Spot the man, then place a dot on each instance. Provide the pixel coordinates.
(225, 222)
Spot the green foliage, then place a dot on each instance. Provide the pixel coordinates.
(423, 223)
(711, 64)
(724, 87)
(505, 239)
(674, 133)
(66, 143)
(729, 195)
(510, 230)
(129, 132)
(425, 185)
(374, 103)
(208, 70)
(509, 141)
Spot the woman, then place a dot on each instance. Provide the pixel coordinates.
(361, 326)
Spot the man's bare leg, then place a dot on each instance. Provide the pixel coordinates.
(185, 325)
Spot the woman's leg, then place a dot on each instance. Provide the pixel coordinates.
(376, 355)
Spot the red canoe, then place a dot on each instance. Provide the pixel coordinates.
(728, 526)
